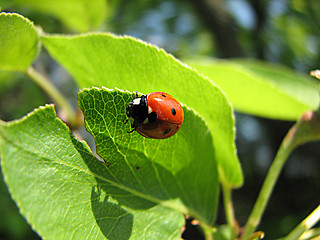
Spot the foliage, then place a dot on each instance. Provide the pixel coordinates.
(86, 14)
(262, 89)
(142, 187)
(148, 69)
(19, 42)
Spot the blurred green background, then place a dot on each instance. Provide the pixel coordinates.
(280, 31)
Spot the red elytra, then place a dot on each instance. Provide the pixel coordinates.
(156, 115)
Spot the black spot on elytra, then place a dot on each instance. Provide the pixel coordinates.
(166, 131)
(163, 95)
(173, 111)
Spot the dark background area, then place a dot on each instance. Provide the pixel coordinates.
(280, 31)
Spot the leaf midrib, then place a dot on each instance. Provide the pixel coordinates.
(168, 204)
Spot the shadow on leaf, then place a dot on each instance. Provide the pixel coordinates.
(113, 220)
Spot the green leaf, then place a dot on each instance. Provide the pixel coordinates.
(177, 172)
(66, 193)
(223, 232)
(310, 234)
(78, 15)
(5, 4)
(262, 89)
(19, 41)
(127, 63)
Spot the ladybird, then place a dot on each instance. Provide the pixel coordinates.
(155, 115)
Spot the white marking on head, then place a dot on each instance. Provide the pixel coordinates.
(136, 101)
(149, 110)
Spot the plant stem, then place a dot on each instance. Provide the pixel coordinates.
(268, 185)
(208, 232)
(306, 129)
(228, 207)
(307, 223)
(53, 93)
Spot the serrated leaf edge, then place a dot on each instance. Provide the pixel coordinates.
(32, 26)
(162, 51)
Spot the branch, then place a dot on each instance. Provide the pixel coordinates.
(218, 21)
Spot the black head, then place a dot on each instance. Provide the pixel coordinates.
(137, 111)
